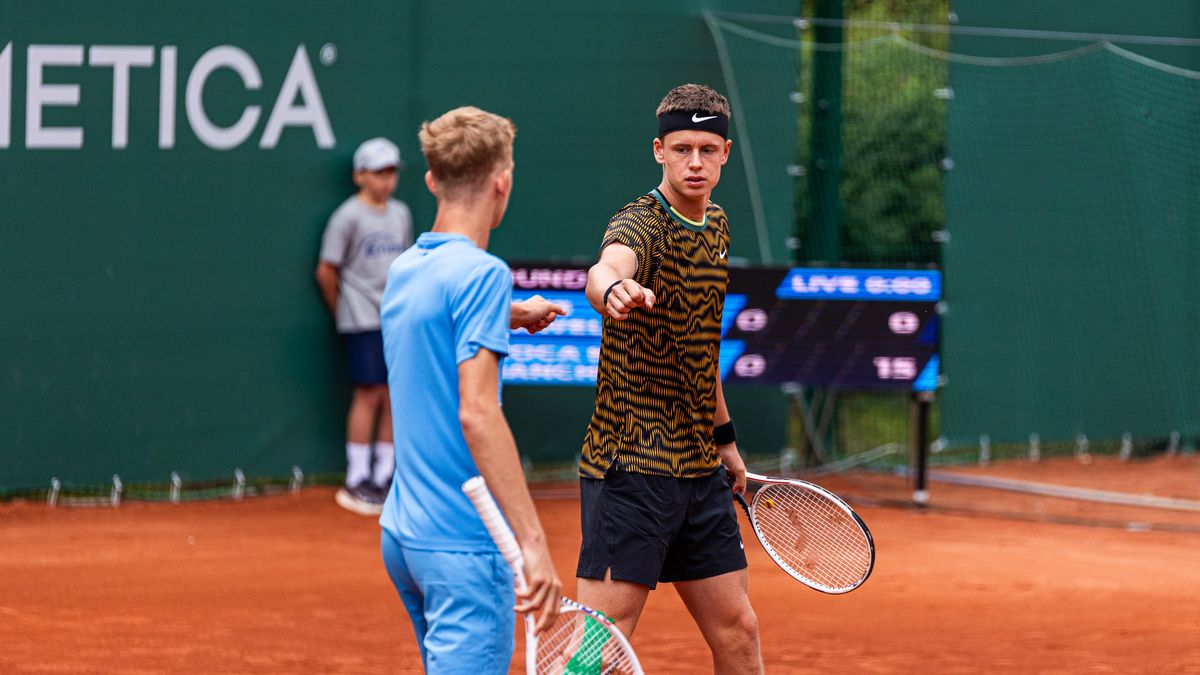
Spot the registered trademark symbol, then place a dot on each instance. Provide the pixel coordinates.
(328, 54)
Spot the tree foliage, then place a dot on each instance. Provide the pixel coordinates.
(892, 136)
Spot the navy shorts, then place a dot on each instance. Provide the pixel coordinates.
(364, 357)
(648, 529)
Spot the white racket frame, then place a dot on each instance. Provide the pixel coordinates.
(836, 501)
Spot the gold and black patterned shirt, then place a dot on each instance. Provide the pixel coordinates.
(656, 385)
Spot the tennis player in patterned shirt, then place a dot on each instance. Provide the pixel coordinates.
(659, 462)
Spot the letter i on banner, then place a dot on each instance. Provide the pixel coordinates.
(166, 97)
(6, 95)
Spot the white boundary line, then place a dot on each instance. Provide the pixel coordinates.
(1065, 492)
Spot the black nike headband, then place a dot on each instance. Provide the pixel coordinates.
(694, 120)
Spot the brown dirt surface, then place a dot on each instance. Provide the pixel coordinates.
(979, 581)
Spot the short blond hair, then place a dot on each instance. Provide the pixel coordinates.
(463, 146)
(694, 98)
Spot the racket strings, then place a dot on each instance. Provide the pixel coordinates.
(812, 536)
(578, 644)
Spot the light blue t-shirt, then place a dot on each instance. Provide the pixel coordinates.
(445, 299)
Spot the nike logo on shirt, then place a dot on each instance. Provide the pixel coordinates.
(701, 119)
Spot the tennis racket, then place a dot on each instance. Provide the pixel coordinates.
(811, 534)
(581, 640)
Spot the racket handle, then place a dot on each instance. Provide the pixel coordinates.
(742, 500)
(477, 491)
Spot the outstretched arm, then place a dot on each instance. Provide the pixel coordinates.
(495, 452)
(534, 313)
(617, 266)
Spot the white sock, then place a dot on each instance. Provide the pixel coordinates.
(358, 463)
(385, 462)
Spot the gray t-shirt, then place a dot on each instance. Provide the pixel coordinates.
(362, 242)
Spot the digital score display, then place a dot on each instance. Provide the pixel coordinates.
(835, 328)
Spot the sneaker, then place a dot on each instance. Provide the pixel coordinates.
(363, 499)
(383, 489)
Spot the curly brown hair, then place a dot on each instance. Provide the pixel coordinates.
(694, 97)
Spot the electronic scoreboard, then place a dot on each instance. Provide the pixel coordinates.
(830, 328)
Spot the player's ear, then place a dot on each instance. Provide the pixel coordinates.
(504, 179)
(659, 151)
(429, 183)
(725, 157)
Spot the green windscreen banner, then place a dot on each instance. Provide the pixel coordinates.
(165, 172)
(167, 168)
(1071, 279)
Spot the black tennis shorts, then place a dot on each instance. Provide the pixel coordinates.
(648, 529)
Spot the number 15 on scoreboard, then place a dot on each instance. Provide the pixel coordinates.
(895, 367)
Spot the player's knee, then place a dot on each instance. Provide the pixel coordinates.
(743, 628)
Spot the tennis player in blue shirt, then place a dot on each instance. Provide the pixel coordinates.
(445, 319)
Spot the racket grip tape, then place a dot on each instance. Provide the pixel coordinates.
(477, 491)
(742, 500)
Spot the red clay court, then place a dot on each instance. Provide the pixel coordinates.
(981, 581)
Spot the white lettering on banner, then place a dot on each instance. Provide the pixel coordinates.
(751, 320)
(899, 286)
(166, 99)
(858, 284)
(39, 95)
(750, 365)
(550, 362)
(574, 326)
(300, 80)
(298, 102)
(568, 279)
(210, 134)
(895, 368)
(5, 99)
(549, 372)
(121, 59)
(823, 283)
(904, 323)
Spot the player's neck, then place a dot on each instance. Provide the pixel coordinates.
(692, 209)
(465, 219)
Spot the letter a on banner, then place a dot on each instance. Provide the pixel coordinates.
(311, 113)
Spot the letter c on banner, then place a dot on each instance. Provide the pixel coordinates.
(237, 60)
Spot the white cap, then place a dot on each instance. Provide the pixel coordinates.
(376, 154)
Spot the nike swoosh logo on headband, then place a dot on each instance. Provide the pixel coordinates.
(701, 119)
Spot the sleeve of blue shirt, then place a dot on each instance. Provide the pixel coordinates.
(481, 311)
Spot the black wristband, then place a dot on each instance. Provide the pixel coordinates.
(609, 290)
(724, 434)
